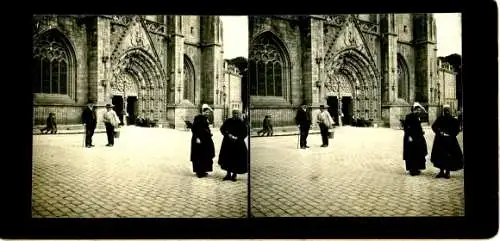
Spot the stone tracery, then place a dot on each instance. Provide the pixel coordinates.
(268, 64)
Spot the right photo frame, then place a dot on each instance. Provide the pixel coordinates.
(356, 115)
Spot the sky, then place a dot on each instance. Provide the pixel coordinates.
(235, 36)
(449, 35)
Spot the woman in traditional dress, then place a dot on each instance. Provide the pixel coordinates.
(202, 145)
(414, 144)
(446, 153)
(233, 152)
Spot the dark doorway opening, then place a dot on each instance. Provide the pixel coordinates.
(118, 103)
(131, 110)
(333, 108)
(347, 110)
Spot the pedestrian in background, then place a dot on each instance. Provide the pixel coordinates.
(446, 153)
(233, 152)
(325, 122)
(89, 120)
(414, 144)
(303, 121)
(51, 125)
(111, 121)
(267, 127)
(202, 145)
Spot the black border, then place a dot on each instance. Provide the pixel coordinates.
(480, 72)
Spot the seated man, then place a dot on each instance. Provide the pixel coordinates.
(51, 125)
(267, 127)
(139, 120)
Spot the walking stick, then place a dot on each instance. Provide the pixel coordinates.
(298, 139)
(84, 134)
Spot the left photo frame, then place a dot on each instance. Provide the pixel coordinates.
(139, 116)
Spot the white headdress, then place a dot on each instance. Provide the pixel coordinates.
(416, 104)
(205, 106)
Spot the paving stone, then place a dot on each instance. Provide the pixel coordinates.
(361, 173)
(121, 180)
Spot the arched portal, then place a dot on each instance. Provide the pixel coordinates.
(352, 87)
(138, 86)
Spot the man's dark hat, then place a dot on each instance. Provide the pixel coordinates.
(90, 102)
(109, 105)
(322, 106)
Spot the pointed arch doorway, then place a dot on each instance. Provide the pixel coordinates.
(351, 88)
(137, 88)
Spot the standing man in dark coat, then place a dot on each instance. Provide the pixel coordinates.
(303, 120)
(89, 119)
(414, 144)
(446, 153)
(233, 152)
(202, 145)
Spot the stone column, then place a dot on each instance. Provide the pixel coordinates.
(390, 113)
(309, 91)
(317, 64)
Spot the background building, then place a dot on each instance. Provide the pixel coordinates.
(161, 67)
(369, 66)
(232, 89)
(447, 85)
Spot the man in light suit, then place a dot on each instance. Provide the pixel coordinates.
(325, 122)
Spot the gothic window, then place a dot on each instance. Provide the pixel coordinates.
(278, 79)
(266, 68)
(189, 82)
(269, 76)
(403, 79)
(52, 65)
(252, 73)
(261, 78)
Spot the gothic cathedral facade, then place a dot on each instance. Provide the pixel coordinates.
(159, 67)
(363, 66)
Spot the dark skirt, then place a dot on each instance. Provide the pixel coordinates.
(414, 153)
(446, 153)
(233, 156)
(202, 155)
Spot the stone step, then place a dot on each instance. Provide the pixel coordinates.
(68, 129)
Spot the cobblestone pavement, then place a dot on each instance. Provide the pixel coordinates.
(361, 173)
(146, 174)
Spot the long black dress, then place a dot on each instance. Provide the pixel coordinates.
(202, 153)
(414, 152)
(233, 153)
(303, 120)
(446, 153)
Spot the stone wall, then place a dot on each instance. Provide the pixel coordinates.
(76, 33)
(191, 29)
(280, 116)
